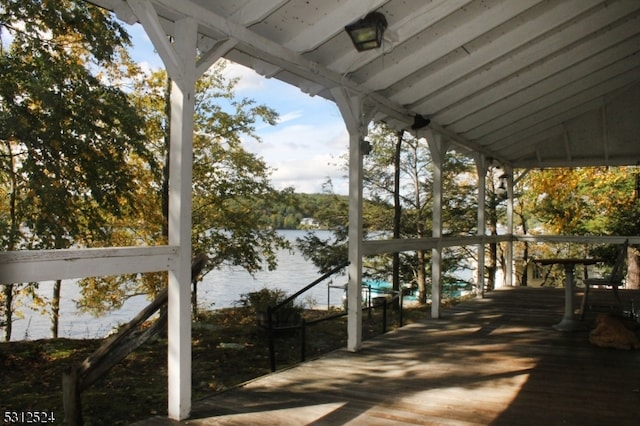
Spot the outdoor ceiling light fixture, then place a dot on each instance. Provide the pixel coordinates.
(366, 33)
(501, 190)
(419, 122)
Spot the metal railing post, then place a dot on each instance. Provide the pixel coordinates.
(384, 316)
(401, 303)
(303, 340)
(272, 351)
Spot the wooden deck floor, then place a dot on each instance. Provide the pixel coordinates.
(495, 361)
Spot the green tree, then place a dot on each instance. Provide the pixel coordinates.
(229, 186)
(587, 201)
(415, 189)
(66, 137)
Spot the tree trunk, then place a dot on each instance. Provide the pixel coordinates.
(524, 281)
(12, 243)
(633, 271)
(55, 309)
(8, 311)
(421, 278)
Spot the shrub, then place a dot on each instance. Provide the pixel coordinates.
(260, 301)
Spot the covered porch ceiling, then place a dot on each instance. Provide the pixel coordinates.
(530, 83)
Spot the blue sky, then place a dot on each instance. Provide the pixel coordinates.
(307, 145)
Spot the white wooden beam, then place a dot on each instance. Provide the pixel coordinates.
(352, 113)
(375, 247)
(330, 24)
(569, 108)
(488, 48)
(521, 95)
(256, 10)
(509, 252)
(546, 94)
(44, 265)
(180, 180)
(208, 58)
(440, 39)
(266, 50)
(423, 14)
(463, 94)
(149, 19)
(438, 148)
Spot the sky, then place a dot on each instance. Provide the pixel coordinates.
(308, 144)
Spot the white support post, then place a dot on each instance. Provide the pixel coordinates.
(180, 176)
(351, 110)
(180, 60)
(509, 251)
(438, 150)
(481, 167)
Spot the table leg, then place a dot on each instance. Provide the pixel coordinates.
(568, 323)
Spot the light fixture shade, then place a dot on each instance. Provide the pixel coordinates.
(367, 33)
(419, 122)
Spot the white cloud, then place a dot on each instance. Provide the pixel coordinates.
(249, 80)
(289, 116)
(304, 147)
(307, 174)
(305, 155)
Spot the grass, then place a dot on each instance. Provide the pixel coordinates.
(228, 349)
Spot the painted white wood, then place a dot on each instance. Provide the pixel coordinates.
(424, 14)
(486, 49)
(208, 58)
(516, 102)
(509, 244)
(180, 178)
(351, 109)
(559, 112)
(330, 24)
(375, 247)
(547, 94)
(534, 53)
(266, 50)
(256, 10)
(438, 149)
(579, 239)
(45, 265)
(149, 19)
(623, 99)
(440, 39)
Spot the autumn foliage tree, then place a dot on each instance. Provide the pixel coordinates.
(585, 201)
(229, 186)
(67, 139)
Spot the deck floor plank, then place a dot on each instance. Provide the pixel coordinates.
(492, 361)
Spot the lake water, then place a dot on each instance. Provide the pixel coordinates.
(219, 289)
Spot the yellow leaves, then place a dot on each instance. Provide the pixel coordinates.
(579, 200)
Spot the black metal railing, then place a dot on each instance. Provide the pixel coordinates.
(372, 303)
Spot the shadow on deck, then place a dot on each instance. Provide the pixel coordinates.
(492, 361)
